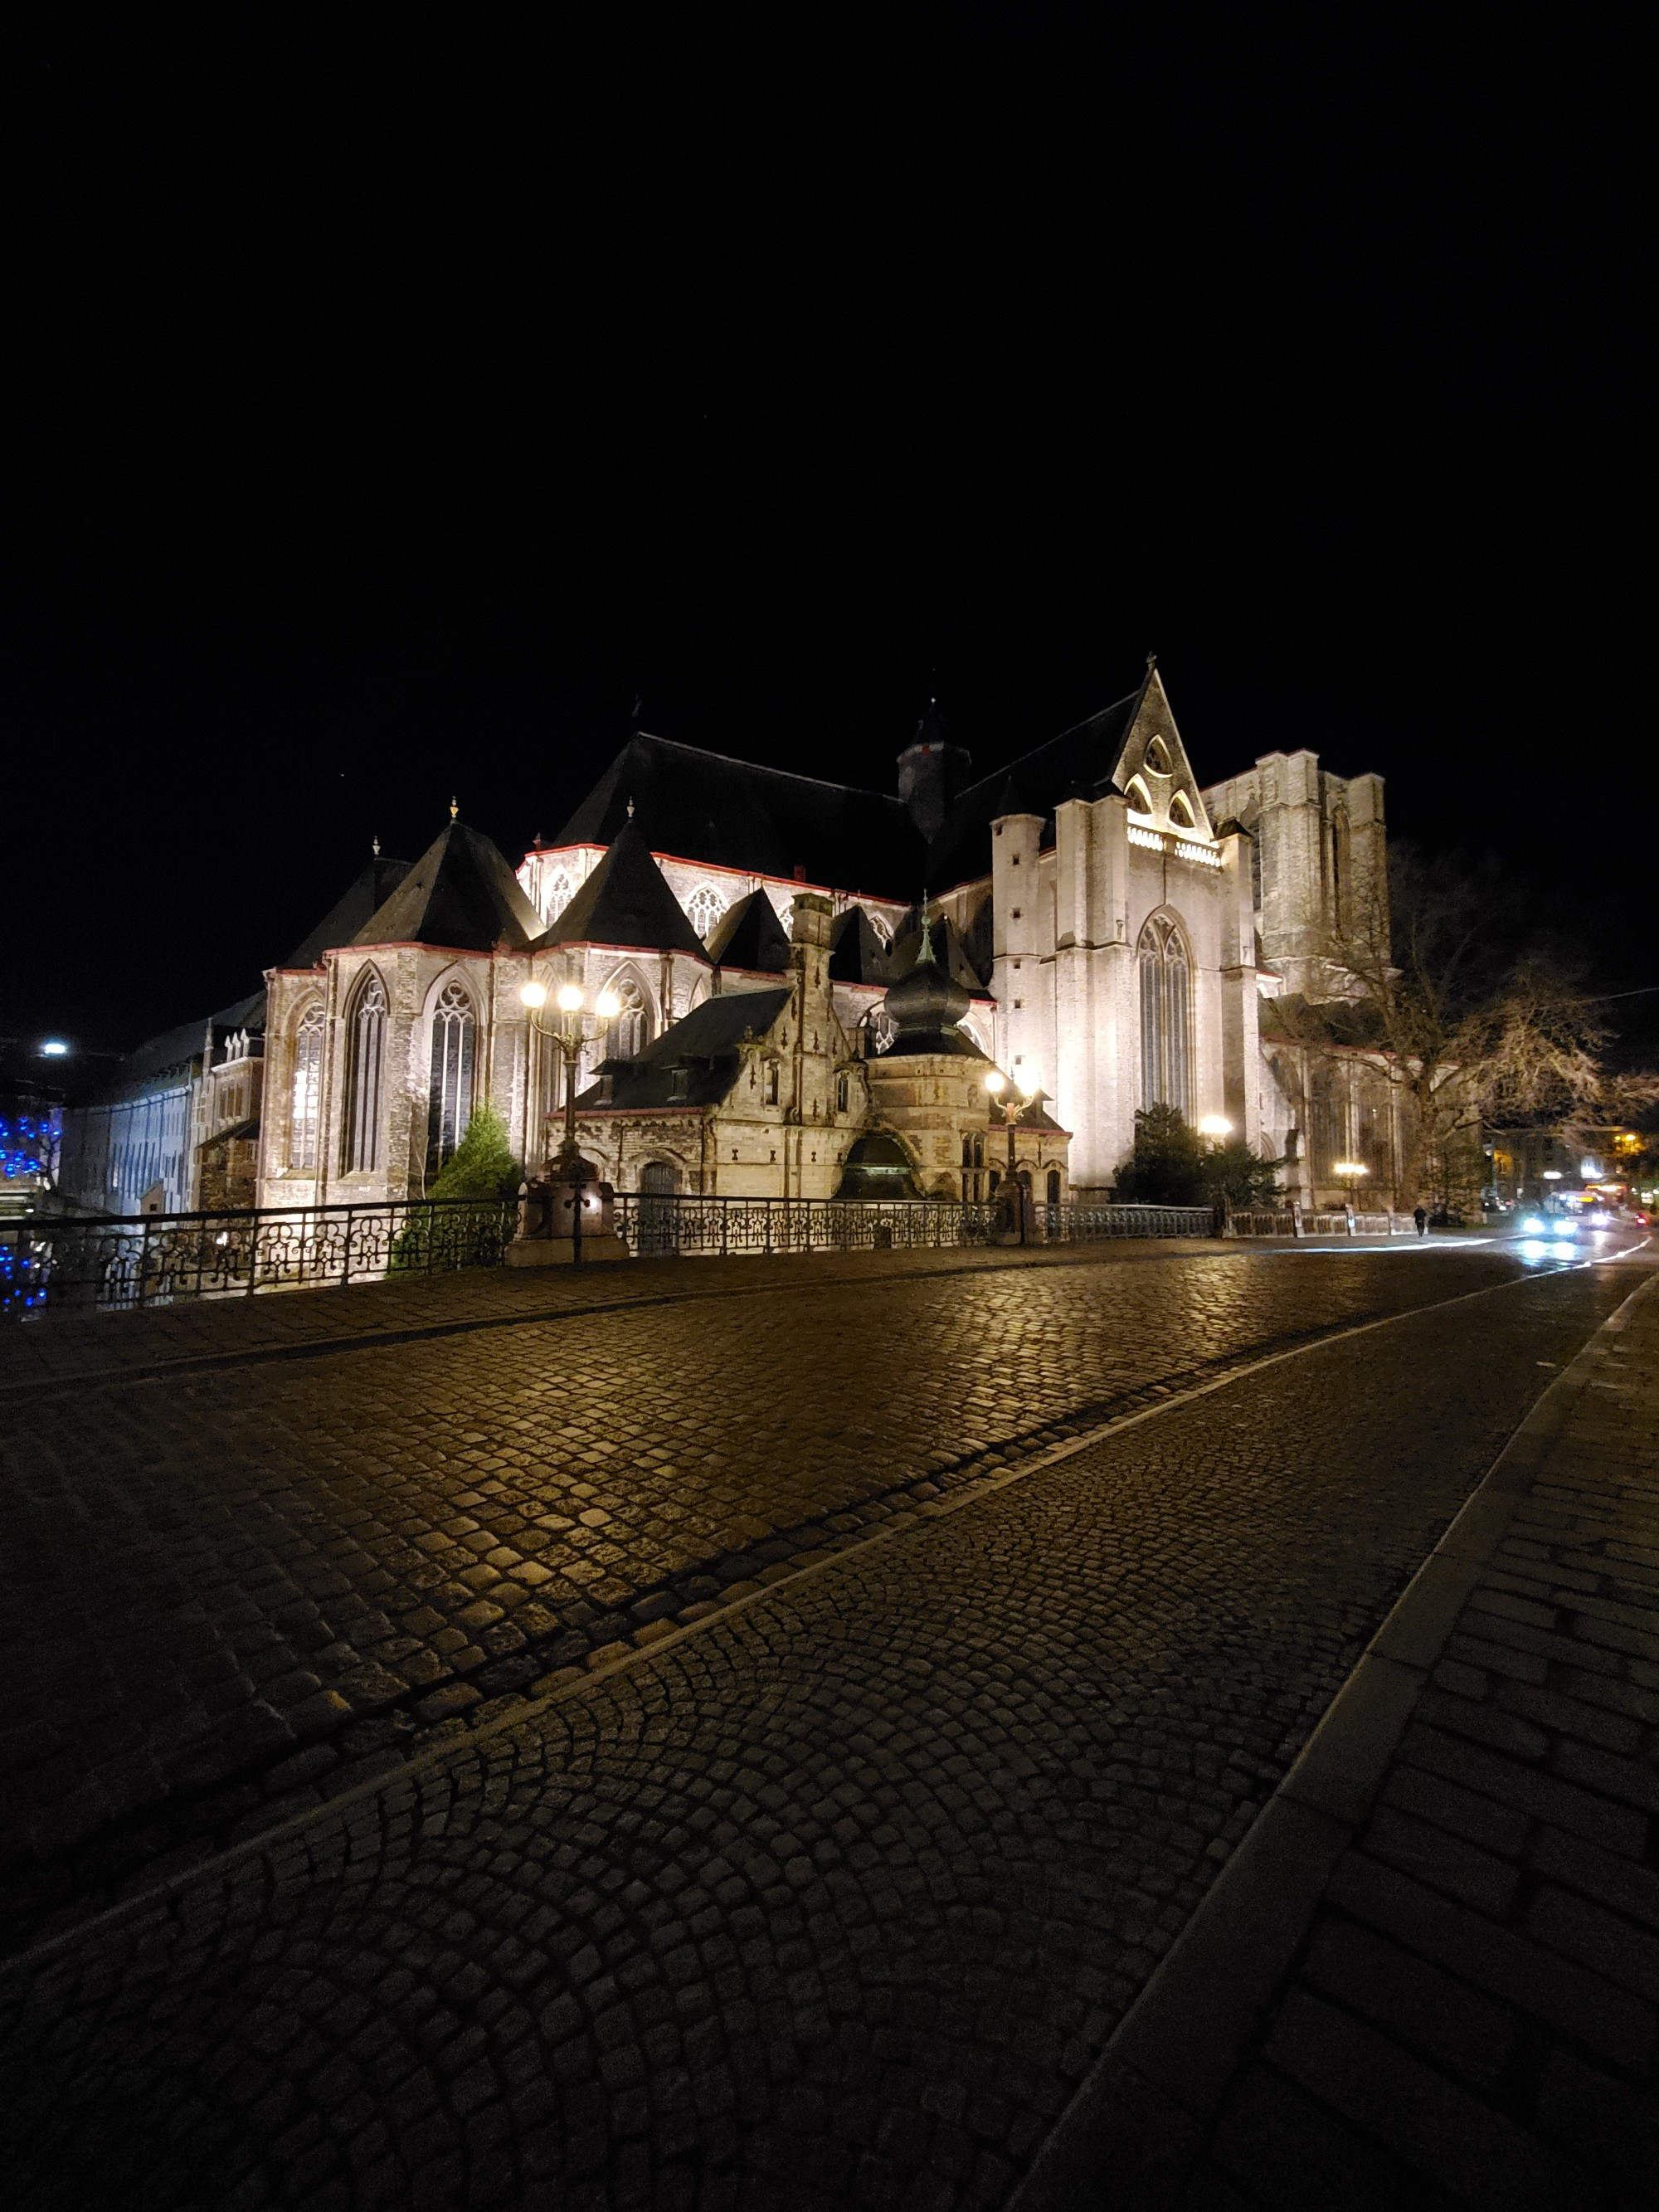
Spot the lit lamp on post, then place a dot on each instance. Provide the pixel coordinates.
(1218, 1128)
(1351, 1172)
(558, 1221)
(1018, 1097)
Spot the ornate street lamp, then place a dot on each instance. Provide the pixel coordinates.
(1351, 1171)
(1013, 1105)
(570, 1033)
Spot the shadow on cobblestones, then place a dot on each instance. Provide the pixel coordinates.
(229, 1595)
(830, 1904)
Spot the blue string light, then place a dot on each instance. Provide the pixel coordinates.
(27, 1144)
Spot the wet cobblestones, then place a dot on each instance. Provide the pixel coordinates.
(228, 1593)
(829, 1903)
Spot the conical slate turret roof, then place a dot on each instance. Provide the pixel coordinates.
(627, 902)
(750, 935)
(857, 952)
(926, 1006)
(460, 893)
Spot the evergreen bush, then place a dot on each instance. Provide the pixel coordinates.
(1174, 1165)
(482, 1167)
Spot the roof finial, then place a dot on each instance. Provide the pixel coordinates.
(454, 808)
(1152, 662)
(927, 949)
(631, 809)
(374, 846)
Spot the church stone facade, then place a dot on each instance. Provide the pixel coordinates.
(1091, 920)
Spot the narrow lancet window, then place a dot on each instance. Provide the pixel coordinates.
(449, 1100)
(307, 1090)
(1165, 1016)
(367, 1034)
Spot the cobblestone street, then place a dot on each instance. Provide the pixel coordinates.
(831, 1900)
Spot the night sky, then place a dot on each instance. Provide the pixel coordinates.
(393, 402)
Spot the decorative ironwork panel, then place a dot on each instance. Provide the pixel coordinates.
(158, 1259)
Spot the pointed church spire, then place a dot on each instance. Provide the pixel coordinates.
(925, 950)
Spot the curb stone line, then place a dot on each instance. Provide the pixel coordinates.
(1143, 2112)
(612, 1659)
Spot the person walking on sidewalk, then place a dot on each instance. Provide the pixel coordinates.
(1419, 1215)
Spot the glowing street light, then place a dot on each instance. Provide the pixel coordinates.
(54, 1049)
(1014, 1100)
(569, 1036)
(1215, 1125)
(1351, 1172)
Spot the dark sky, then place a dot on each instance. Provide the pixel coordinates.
(392, 402)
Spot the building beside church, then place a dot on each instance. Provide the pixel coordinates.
(1090, 919)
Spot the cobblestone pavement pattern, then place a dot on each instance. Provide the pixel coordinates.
(1474, 2016)
(833, 1900)
(230, 1590)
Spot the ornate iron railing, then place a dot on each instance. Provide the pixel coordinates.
(143, 1260)
(1287, 1222)
(653, 1226)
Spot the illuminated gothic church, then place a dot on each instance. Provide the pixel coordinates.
(790, 1019)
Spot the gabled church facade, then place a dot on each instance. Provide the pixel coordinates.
(1106, 930)
(1111, 931)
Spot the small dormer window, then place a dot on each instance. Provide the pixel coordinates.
(679, 1082)
(1158, 757)
(771, 1091)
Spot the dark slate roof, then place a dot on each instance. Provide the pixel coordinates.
(857, 952)
(350, 912)
(627, 902)
(704, 1045)
(172, 1049)
(750, 935)
(460, 893)
(948, 950)
(950, 1043)
(1078, 763)
(734, 814)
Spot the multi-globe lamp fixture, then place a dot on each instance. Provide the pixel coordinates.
(568, 1034)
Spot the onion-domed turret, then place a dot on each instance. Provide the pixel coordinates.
(926, 1004)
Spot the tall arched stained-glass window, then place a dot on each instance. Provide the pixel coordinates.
(306, 1097)
(366, 1048)
(1165, 1015)
(449, 1099)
